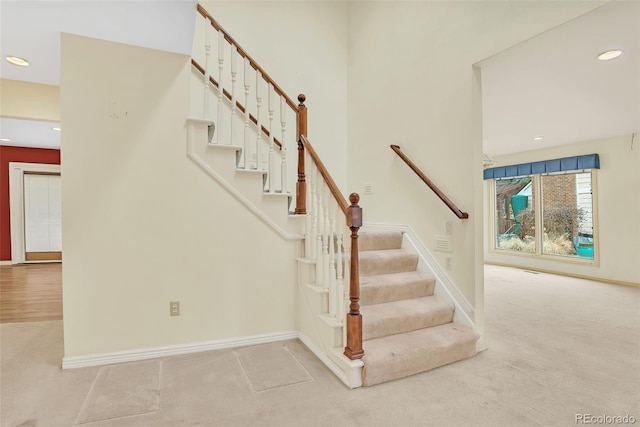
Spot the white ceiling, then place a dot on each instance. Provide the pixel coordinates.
(31, 29)
(30, 133)
(551, 85)
(554, 86)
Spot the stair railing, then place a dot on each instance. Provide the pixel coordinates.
(326, 240)
(430, 184)
(250, 121)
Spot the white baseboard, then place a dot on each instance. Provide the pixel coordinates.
(5, 262)
(175, 350)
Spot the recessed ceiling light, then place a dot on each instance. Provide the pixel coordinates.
(538, 138)
(5, 139)
(16, 60)
(54, 128)
(610, 54)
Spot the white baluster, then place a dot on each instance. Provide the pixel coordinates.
(234, 76)
(333, 283)
(320, 223)
(247, 85)
(207, 53)
(259, 101)
(346, 250)
(283, 124)
(308, 240)
(314, 211)
(339, 271)
(219, 126)
(326, 194)
(272, 154)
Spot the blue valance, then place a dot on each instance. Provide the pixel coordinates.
(566, 164)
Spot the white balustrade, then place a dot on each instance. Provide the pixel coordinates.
(258, 123)
(219, 125)
(234, 77)
(260, 108)
(284, 185)
(320, 188)
(247, 86)
(271, 95)
(333, 280)
(207, 75)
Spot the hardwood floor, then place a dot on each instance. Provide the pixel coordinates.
(30, 292)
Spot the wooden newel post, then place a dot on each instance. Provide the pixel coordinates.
(301, 187)
(354, 350)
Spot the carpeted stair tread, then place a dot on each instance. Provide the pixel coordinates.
(387, 261)
(379, 240)
(382, 288)
(398, 356)
(404, 316)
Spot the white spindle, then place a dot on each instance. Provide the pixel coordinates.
(207, 53)
(247, 85)
(234, 76)
(308, 241)
(333, 283)
(319, 224)
(314, 211)
(284, 185)
(219, 126)
(326, 193)
(339, 274)
(272, 154)
(258, 124)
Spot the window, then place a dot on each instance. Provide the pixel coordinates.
(565, 224)
(567, 215)
(515, 213)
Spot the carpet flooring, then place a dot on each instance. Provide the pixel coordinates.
(558, 348)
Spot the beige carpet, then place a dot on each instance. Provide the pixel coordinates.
(407, 335)
(557, 347)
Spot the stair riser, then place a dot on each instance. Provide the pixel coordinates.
(400, 324)
(377, 294)
(372, 263)
(373, 241)
(402, 367)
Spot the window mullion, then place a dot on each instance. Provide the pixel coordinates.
(537, 210)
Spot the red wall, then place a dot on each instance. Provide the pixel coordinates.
(23, 155)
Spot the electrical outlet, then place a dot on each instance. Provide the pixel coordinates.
(448, 263)
(174, 308)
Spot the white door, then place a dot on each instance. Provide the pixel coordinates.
(42, 217)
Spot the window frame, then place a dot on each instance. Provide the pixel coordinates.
(537, 201)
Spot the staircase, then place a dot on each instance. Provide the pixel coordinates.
(406, 328)
(411, 320)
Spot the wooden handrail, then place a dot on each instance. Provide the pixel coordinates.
(244, 54)
(342, 202)
(240, 107)
(430, 184)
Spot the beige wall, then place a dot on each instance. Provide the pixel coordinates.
(411, 83)
(618, 205)
(303, 46)
(143, 225)
(24, 100)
